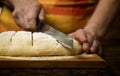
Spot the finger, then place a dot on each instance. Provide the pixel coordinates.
(90, 40)
(94, 47)
(85, 47)
(72, 35)
(80, 36)
(30, 18)
(42, 20)
(42, 15)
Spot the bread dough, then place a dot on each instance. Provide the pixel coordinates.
(23, 43)
(5, 40)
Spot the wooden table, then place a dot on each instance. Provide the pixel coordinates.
(82, 65)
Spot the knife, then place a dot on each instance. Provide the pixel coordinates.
(62, 38)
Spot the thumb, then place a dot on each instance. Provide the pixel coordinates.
(42, 15)
(71, 35)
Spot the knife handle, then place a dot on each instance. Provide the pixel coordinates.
(39, 25)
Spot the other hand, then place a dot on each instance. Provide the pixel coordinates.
(90, 42)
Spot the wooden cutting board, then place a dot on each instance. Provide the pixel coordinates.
(79, 61)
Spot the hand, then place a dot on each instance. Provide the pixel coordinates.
(26, 13)
(90, 42)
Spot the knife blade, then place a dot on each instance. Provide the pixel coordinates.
(61, 37)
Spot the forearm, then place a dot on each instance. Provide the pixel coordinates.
(102, 16)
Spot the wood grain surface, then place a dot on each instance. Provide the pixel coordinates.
(80, 61)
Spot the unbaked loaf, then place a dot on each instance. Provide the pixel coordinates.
(24, 43)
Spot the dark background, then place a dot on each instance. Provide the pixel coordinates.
(111, 45)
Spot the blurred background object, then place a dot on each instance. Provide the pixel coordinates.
(0, 10)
